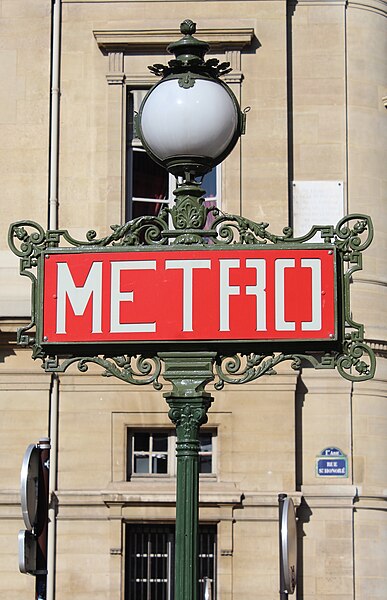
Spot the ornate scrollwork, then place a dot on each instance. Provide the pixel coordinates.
(137, 370)
(351, 236)
(241, 368)
(351, 365)
(188, 69)
(230, 229)
(191, 213)
(25, 243)
(351, 241)
(147, 230)
(246, 368)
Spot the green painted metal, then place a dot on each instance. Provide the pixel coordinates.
(189, 59)
(187, 67)
(189, 374)
(237, 362)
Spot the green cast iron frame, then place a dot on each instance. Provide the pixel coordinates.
(189, 366)
(237, 361)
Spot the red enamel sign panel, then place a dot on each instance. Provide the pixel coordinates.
(190, 295)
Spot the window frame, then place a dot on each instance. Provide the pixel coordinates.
(131, 475)
(133, 144)
(146, 550)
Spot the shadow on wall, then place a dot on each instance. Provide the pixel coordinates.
(7, 347)
(301, 391)
(253, 47)
(304, 514)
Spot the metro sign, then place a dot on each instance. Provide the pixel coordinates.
(211, 294)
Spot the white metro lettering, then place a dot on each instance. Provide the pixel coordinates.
(187, 267)
(287, 263)
(79, 296)
(117, 296)
(234, 294)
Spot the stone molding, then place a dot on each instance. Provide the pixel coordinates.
(157, 493)
(330, 496)
(223, 38)
(132, 40)
(269, 498)
(379, 347)
(319, 2)
(117, 43)
(377, 6)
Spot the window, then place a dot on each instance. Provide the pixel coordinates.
(148, 185)
(149, 562)
(150, 453)
(147, 182)
(153, 453)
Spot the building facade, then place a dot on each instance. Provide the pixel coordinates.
(313, 73)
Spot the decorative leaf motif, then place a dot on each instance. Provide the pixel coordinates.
(350, 364)
(186, 80)
(228, 227)
(137, 370)
(31, 243)
(188, 418)
(240, 369)
(351, 236)
(247, 368)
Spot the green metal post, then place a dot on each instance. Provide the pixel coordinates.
(189, 402)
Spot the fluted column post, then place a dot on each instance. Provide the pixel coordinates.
(189, 402)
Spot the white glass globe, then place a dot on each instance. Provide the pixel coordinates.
(196, 121)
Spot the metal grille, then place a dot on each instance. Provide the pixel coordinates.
(149, 572)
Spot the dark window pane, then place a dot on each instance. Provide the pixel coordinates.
(141, 464)
(159, 567)
(156, 543)
(160, 442)
(160, 464)
(144, 209)
(210, 216)
(206, 442)
(209, 184)
(141, 441)
(205, 464)
(149, 179)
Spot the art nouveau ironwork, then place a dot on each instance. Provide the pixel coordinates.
(189, 366)
(352, 357)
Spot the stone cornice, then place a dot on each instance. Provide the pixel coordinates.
(319, 2)
(131, 40)
(378, 6)
(379, 347)
(158, 492)
(330, 496)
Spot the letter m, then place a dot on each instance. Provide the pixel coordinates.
(79, 296)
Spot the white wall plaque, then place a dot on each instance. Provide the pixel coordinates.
(316, 203)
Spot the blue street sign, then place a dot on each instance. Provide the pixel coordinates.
(332, 462)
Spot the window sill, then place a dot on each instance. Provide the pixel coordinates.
(163, 491)
(166, 477)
